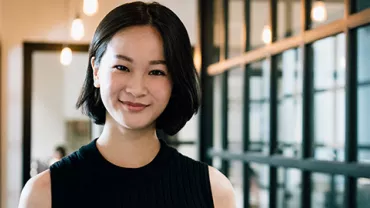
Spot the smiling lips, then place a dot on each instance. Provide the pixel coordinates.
(134, 107)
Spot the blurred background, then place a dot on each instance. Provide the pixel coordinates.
(286, 94)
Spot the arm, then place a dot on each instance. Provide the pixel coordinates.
(37, 192)
(222, 190)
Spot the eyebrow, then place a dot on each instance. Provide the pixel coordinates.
(153, 62)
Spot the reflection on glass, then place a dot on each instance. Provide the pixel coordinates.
(363, 192)
(327, 191)
(236, 178)
(236, 34)
(235, 110)
(362, 4)
(289, 103)
(217, 96)
(289, 191)
(259, 19)
(324, 12)
(329, 98)
(259, 106)
(259, 191)
(289, 14)
(363, 90)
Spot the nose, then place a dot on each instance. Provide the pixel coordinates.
(136, 86)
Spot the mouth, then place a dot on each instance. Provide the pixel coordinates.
(134, 107)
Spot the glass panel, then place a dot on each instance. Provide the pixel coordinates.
(236, 179)
(259, 106)
(362, 4)
(363, 49)
(327, 191)
(324, 12)
(190, 131)
(259, 19)
(289, 18)
(217, 141)
(363, 90)
(329, 98)
(190, 150)
(235, 110)
(259, 186)
(289, 188)
(236, 24)
(363, 123)
(363, 192)
(290, 103)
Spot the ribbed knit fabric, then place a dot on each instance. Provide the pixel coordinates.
(86, 179)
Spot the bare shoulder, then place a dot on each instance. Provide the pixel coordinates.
(222, 190)
(37, 192)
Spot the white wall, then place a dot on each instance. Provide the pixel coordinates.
(43, 21)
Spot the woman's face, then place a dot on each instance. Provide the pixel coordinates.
(133, 78)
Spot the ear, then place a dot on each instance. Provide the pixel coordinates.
(95, 69)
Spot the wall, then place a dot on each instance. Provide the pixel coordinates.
(42, 21)
(1, 146)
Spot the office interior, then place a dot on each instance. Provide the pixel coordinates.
(285, 94)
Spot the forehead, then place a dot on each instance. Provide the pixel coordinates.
(137, 40)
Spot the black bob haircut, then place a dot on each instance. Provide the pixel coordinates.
(185, 98)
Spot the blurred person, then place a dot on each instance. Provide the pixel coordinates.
(59, 153)
(40, 165)
(140, 78)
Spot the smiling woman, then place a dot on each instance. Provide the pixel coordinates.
(140, 78)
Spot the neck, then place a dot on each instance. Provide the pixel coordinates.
(126, 147)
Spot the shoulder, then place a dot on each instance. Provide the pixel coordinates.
(71, 161)
(37, 192)
(222, 190)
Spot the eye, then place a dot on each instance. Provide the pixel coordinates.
(121, 68)
(157, 73)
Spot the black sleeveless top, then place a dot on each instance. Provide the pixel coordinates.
(171, 180)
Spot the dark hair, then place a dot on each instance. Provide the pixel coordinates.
(185, 98)
(61, 150)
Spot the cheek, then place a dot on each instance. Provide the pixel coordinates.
(107, 82)
(107, 87)
(163, 90)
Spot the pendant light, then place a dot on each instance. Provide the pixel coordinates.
(90, 7)
(266, 34)
(77, 30)
(319, 12)
(66, 53)
(66, 56)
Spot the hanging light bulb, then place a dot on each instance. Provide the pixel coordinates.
(266, 34)
(66, 56)
(318, 12)
(90, 7)
(77, 30)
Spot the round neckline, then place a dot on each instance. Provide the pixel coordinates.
(153, 168)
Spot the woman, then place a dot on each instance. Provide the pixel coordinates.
(140, 78)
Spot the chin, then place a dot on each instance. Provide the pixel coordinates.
(136, 125)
